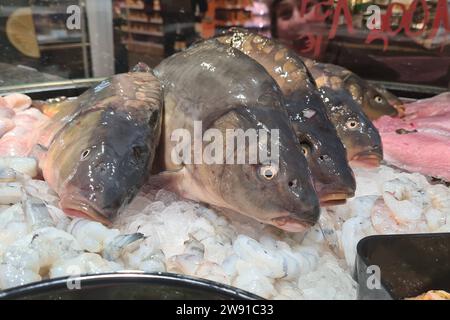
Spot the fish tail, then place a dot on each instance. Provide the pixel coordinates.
(114, 248)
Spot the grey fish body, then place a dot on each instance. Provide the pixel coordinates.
(97, 151)
(225, 89)
(358, 134)
(333, 178)
(374, 100)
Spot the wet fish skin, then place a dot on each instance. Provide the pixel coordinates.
(326, 155)
(374, 100)
(97, 151)
(225, 89)
(359, 135)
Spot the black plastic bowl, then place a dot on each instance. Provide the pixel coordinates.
(409, 264)
(110, 286)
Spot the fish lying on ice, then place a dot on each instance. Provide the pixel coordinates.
(97, 151)
(360, 137)
(227, 90)
(333, 178)
(374, 100)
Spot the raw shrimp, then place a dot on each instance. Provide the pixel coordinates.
(23, 165)
(253, 280)
(5, 126)
(146, 258)
(405, 198)
(438, 213)
(6, 112)
(190, 259)
(385, 221)
(85, 263)
(212, 271)
(400, 210)
(29, 258)
(12, 226)
(94, 237)
(18, 140)
(16, 101)
(287, 290)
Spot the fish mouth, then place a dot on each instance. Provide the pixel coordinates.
(80, 209)
(290, 224)
(334, 199)
(367, 159)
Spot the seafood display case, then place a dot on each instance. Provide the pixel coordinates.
(95, 186)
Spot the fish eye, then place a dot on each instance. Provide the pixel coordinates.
(306, 148)
(85, 154)
(378, 99)
(352, 124)
(268, 172)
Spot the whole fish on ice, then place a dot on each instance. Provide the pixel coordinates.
(374, 100)
(333, 178)
(97, 151)
(225, 89)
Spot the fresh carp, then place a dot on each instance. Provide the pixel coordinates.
(228, 91)
(374, 100)
(327, 159)
(97, 151)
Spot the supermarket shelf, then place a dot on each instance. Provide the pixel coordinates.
(62, 46)
(152, 21)
(141, 46)
(139, 8)
(148, 33)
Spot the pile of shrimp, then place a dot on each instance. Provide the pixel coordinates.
(18, 124)
(387, 201)
(38, 241)
(160, 232)
(188, 238)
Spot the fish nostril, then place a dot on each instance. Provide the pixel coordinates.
(293, 183)
(102, 167)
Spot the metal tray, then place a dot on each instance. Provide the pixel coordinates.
(409, 265)
(130, 285)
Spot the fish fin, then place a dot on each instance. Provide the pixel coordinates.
(38, 152)
(169, 180)
(352, 84)
(141, 67)
(51, 106)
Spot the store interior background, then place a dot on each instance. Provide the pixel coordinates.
(116, 34)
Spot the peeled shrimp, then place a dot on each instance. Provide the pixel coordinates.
(438, 213)
(5, 126)
(85, 263)
(400, 210)
(385, 221)
(24, 165)
(146, 258)
(405, 199)
(16, 101)
(6, 112)
(212, 271)
(29, 258)
(253, 280)
(94, 237)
